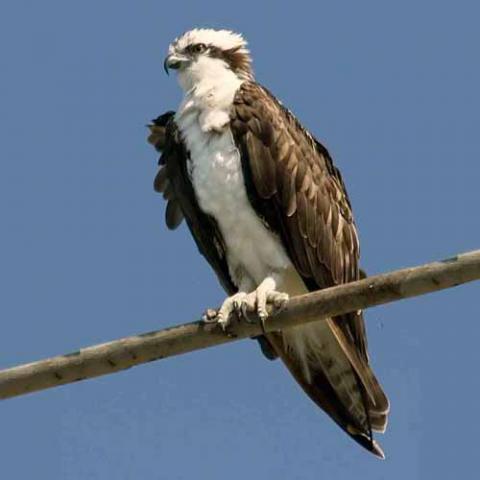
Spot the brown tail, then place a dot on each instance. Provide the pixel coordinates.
(320, 390)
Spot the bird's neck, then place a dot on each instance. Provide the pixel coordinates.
(210, 87)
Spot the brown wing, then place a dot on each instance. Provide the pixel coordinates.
(293, 184)
(302, 195)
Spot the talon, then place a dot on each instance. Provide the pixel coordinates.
(262, 323)
(262, 313)
(209, 316)
(262, 300)
(280, 300)
(223, 323)
(245, 310)
(237, 304)
(247, 318)
(223, 319)
(230, 306)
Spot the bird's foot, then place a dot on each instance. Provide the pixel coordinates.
(266, 296)
(261, 301)
(209, 315)
(237, 304)
(234, 305)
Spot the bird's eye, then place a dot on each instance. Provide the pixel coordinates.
(199, 48)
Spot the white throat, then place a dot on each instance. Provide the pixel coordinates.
(210, 87)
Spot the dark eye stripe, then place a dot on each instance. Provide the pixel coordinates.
(196, 48)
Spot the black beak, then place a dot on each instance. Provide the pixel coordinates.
(173, 62)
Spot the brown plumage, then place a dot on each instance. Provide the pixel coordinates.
(302, 197)
(294, 187)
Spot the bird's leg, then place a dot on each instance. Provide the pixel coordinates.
(230, 306)
(265, 295)
(242, 304)
(235, 304)
(257, 301)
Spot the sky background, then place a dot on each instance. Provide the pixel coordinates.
(392, 89)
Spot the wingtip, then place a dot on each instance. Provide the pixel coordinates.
(368, 443)
(377, 450)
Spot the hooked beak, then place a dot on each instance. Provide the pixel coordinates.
(173, 61)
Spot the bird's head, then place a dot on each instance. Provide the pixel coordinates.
(205, 52)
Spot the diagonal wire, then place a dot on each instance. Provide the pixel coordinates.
(127, 352)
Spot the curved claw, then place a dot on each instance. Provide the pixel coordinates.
(243, 305)
(279, 300)
(230, 306)
(209, 316)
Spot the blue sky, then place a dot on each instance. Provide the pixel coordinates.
(390, 87)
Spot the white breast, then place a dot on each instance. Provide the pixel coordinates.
(217, 177)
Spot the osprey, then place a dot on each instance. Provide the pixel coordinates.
(269, 211)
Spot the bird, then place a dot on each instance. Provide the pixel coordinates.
(269, 211)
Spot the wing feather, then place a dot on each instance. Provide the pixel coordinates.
(298, 175)
(302, 197)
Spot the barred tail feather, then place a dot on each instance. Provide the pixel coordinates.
(348, 404)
